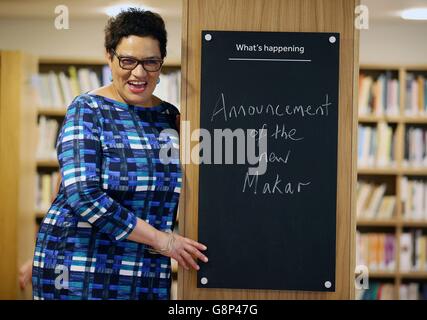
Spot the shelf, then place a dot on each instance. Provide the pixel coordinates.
(392, 223)
(47, 163)
(421, 119)
(375, 119)
(382, 274)
(393, 171)
(415, 119)
(377, 223)
(169, 63)
(414, 171)
(414, 275)
(51, 112)
(416, 224)
(380, 67)
(65, 60)
(378, 171)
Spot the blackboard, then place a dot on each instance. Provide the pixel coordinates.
(275, 229)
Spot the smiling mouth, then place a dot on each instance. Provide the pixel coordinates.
(137, 86)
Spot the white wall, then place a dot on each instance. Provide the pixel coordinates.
(84, 39)
(392, 43)
(383, 43)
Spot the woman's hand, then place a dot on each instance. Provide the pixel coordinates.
(25, 274)
(184, 250)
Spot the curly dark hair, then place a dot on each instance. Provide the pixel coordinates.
(137, 22)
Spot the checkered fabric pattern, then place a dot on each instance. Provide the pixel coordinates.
(109, 155)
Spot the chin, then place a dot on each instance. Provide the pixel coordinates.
(138, 99)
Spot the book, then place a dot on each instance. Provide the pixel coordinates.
(387, 207)
(374, 203)
(405, 252)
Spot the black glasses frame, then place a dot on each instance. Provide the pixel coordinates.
(141, 62)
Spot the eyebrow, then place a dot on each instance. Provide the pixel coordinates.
(132, 57)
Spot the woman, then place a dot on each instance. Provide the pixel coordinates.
(108, 233)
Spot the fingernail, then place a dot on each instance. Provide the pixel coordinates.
(198, 268)
(205, 248)
(206, 259)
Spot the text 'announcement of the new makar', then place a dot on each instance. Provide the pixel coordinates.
(267, 155)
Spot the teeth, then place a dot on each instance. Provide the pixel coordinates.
(137, 83)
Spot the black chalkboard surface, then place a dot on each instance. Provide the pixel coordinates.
(269, 224)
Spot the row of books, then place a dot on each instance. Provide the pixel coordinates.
(413, 291)
(169, 88)
(47, 135)
(376, 145)
(414, 199)
(385, 291)
(377, 251)
(372, 203)
(57, 90)
(46, 190)
(415, 154)
(413, 251)
(378, 96)
(376, 291)
(416, 100)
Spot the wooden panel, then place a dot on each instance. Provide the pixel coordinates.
(274, 15)
(17, 131)
(9, 188)
(27, 166)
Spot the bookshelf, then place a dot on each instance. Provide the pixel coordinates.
(393, 97)
(168, 89)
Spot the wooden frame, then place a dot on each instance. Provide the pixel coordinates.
(17, 163)
(275, 15)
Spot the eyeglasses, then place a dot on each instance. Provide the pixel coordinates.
(149, 65)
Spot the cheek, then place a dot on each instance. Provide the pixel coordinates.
(155, 78)
(120, 74)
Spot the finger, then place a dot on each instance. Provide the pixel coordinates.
(197, 244)
(181, 262)
(189, 259)
(196, 253)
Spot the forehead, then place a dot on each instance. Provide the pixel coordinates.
(139, 47)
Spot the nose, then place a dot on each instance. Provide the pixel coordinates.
(139, 71)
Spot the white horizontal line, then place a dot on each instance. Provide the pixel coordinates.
(247, 59)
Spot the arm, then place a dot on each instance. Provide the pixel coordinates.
(183, 250)
(79, 147)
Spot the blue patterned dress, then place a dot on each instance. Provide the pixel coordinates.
(109, 154)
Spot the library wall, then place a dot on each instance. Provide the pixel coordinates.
(400, 43)
(393, 48)
(46, 41)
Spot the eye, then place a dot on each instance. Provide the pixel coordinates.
(128, 61)
(151, 62)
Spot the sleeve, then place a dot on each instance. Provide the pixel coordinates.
(79, 154)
